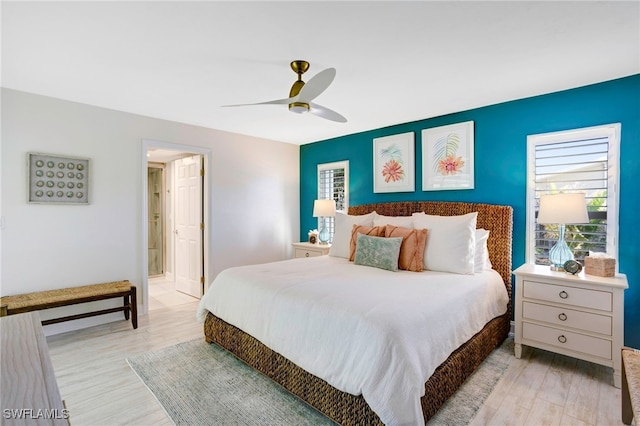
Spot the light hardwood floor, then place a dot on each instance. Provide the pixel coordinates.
(162, 294)
(100, 388)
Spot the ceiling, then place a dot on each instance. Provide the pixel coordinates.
(396, 61)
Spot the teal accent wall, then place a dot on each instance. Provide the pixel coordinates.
(501, 164)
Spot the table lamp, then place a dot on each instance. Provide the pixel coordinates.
(324, 209)
(562, 209)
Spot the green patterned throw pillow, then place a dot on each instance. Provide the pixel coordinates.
(379, 252)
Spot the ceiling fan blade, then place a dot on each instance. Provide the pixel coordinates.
(316, 85)
(274, 102)
(327, 113)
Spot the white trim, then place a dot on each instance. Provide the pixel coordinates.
(207, 199)
(610, 131)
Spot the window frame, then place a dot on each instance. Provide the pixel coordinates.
(609, 131)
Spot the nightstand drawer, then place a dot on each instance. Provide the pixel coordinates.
(310, 250)
(586, 321)
(307, 253)
(581, 297)
(567, 340)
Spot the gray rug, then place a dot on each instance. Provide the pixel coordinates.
(201, 384)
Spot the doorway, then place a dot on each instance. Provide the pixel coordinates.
(175, 211)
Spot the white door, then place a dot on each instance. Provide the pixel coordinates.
(188, 210)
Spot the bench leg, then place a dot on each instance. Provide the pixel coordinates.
(127, 306)
(134, 308)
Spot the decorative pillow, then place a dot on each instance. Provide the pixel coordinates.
(451, 242)
(378, 252)
(342, 232)
(412, 248)
(482, 262)
(404, 221)
(376, 231)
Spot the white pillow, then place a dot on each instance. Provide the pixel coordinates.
(404, 221)
(340, 246)
(451, 242)
(482, 262)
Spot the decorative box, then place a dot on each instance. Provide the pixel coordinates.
(600, 266)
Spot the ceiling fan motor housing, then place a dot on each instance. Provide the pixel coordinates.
(299, 67)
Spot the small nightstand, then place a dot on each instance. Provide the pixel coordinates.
(310, 250)
(576, 315)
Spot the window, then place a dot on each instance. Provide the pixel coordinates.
(582, 160)
(333, 183)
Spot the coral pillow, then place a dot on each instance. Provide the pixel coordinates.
(375, 231)
(412, 249)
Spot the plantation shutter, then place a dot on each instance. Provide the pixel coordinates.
(333, 184)
(581, 164)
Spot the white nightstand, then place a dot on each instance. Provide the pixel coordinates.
(576, 315)
(310, 250)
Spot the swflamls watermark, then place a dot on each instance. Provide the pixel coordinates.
(31, 413)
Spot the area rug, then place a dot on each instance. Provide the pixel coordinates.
(201, 384)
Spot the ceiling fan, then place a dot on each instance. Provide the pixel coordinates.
(301, 93)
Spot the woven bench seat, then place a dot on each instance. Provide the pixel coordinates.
(47, 299)
(630, 385)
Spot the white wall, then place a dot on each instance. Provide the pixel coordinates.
(254, 201)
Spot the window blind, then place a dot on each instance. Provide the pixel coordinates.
(573, 166)
(333, 184)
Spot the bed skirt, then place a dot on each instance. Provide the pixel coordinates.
(344, 408)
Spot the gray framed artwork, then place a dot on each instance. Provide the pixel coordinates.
(58, 179)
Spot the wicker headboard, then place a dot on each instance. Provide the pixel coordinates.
(497, 219)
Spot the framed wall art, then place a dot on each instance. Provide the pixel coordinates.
(58, 179)
(447, 157)
(394, 163)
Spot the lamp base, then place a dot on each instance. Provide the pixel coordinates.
(323, 236)
(560, 252)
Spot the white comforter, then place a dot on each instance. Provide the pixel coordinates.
(364, 330)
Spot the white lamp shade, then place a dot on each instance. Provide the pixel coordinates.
(324, 208)
(563, 209)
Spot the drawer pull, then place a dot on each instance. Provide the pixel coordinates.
(306, 254)
(563, 294)
(562, 317)
(562, 339)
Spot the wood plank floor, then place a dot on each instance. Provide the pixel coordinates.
(100, 388)
(162, 294)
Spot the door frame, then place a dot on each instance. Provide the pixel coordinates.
(206, 204)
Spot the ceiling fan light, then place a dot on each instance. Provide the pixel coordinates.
(299, 107)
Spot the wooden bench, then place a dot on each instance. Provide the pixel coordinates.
(48, 299)
(630, 385)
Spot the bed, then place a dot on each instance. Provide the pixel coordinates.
(333, 400)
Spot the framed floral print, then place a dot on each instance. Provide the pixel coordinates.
(394, 163)
(447, 157)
